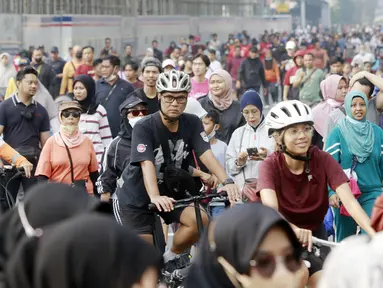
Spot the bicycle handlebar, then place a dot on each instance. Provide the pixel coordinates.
(185, 202)
(320, 242)
(8, 170)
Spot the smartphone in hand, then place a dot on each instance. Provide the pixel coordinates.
(252, 151)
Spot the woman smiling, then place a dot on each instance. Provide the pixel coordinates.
(356, 144)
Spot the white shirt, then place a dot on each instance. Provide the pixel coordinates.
(245, 137)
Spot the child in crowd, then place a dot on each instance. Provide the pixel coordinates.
(218, 147)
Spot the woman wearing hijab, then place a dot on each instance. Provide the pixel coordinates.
(87, 251)
(220, 98)
(253, 134)
(45, 204)
(334, 89)
(117, 155)
(69, 156)
(93, 121)
(357, 145)
(256, 242)
(7, 71)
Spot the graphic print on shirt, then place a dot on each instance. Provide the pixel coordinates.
(178, 153)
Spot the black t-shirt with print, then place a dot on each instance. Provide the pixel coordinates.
(146, 146)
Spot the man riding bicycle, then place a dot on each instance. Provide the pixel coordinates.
(160, 167)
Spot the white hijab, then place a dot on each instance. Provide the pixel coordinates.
(356, 263)
(6, 72)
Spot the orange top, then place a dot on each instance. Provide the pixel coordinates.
(11, 155)
(54, 162)
(272, 75)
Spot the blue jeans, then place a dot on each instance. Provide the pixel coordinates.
(217, 210)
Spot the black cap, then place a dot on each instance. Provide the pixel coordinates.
(130, 102)
(254, 49)
(55, 49)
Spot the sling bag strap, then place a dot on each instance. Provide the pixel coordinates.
(70, 159)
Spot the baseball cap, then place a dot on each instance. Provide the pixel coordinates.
(151, 61)
(168, 62)
(130, 102)
(290, 45)
(55, 49)
(23, 62)
(69, 104)
(254, 48)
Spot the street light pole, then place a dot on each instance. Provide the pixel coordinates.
(303, 14)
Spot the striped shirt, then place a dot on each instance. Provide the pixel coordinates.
(96, 128)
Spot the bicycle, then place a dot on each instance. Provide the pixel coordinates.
(317, 245)
(7, 174)
(175, 278)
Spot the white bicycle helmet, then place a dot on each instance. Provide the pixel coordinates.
(288, 113)
(173, 81)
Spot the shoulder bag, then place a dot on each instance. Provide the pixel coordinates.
(75, 183)
(353, 186)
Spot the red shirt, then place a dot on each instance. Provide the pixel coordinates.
(302, 199)
(137, 84)
(84, 69)
(291, 72)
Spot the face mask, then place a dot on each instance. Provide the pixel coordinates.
(70, 129)
(111, 77)
(38, 60)
(134, 121)
(212, 134)
(278, 280)
(79, 55)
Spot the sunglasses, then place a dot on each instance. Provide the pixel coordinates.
(75, 114)
(136, 112)
(266, 264)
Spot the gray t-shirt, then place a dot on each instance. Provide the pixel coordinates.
(219, 151)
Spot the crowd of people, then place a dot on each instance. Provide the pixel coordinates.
(290, 120)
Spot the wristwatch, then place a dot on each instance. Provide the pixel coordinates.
(228, 181)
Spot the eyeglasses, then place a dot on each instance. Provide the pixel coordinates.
(137, 112)
(266, 264)
(75, 114)
(170, 99)
(294, 132)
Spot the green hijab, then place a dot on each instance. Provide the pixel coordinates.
(359, 134)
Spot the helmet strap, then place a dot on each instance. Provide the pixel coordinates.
(305, 159)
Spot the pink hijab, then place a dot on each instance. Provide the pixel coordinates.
(224, 102)
(329, 88)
